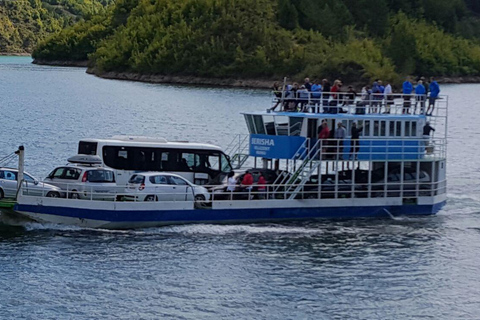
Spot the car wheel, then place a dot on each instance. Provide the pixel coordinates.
(74, 195)
(1, 194)
(151, 198)
(200, 197)
(53, 194)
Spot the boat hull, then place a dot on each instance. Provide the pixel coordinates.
(119, 216)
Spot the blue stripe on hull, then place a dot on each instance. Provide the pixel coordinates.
(229, 215)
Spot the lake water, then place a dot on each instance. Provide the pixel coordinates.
(401, 268)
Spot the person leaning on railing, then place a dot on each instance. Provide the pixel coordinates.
(420, 97)
(434, 92)
(407, 89)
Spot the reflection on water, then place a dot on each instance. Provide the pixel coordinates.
(400, 268)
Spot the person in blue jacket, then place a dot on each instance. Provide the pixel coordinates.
(407, 89)
(434, 92)
(420, 97)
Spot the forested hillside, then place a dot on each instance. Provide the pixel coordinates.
(25, 22)
(351, 39)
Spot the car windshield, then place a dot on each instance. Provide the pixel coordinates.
(100, 176)
(137, 179)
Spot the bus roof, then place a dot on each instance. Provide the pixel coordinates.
(131, 141)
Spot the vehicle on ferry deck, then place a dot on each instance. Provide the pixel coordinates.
(155, 186)
(31, 185)
(84, 181)
(201, 164)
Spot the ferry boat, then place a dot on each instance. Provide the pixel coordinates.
(382, 165)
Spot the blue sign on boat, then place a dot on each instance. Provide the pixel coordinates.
(274, 147)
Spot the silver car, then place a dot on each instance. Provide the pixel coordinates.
(155, 186)
(85, 182)
(31, 186)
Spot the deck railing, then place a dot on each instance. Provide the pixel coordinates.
(327, 187)
(344, 102)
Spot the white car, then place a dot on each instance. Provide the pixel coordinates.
(85, 182)
(162, 186)
(31, 186)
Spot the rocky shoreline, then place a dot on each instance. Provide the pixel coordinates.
(61, 63)
(192, 80)
(15, 54)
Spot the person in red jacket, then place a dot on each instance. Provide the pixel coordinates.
(261, 186)
(247, 182)
(323, 136)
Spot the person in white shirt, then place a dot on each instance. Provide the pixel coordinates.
(231, 183)
(388, 95)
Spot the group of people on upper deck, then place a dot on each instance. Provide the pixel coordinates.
(318, 96)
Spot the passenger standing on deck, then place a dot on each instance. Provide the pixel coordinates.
(277, 91)
(350, 97)
(261, 186)
(419, 97)
(303, 96)
(308, 84)
(407, 89)
(247, 183)
(231, 183)
(340, 135)
(316, 93)
(326, 88)
(354, 142)
(376, 97)
(434, 91)
(337, 84)
(388, 96)
(382, 91)
(323, 137)
(426, 133)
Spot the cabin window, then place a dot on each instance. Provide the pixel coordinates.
(398, 128)
(296, 126)
(250, 125)
(366, 130)
(407, 129)
(281, 125)
(391, 128)
(376, 128)
(269, 125)
(383, 129)
(414, 128)
(258, 121)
